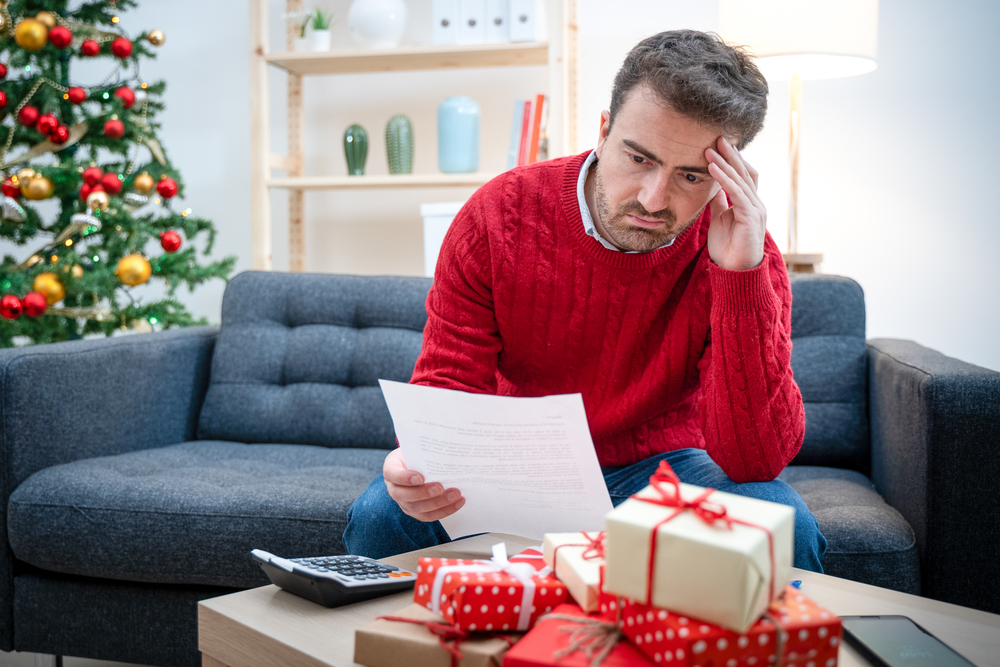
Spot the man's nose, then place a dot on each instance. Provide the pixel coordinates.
(653, 195)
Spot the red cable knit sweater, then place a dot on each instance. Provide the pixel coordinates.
(669, 350)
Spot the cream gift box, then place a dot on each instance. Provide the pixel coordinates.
(723, 571)
(576, 559)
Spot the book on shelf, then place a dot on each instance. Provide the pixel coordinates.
(515, 134)
(528, 138)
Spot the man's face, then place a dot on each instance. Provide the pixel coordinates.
(651, 180)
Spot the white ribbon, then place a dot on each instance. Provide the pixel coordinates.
(523, 572)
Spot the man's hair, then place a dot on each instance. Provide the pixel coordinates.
(700, 76)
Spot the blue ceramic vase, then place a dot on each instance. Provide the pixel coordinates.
(458, 136)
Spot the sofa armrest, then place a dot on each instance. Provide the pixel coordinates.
(81, 399)
(935, 428)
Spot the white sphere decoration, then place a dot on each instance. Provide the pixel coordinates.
(377, 24)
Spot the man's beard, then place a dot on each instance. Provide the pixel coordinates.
(624, 234)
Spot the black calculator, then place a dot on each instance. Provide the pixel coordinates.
(333, 581)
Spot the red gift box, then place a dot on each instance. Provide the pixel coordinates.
(548, 643)
(806, 634)
(492, 594)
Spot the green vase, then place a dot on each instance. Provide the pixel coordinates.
(399, 144)
(356, 149)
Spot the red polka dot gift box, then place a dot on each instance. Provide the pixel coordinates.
(497, 594)
(795, 632)
(568, 637)
(700, 552)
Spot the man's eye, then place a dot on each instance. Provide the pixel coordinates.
(638, 159)
(691, 178)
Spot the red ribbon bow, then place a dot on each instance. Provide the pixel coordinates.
(668, 486)
(594, 548)
(446, 633)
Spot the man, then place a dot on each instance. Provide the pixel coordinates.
(640, 275)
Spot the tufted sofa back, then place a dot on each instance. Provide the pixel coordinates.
(829, 362)
(299, 357)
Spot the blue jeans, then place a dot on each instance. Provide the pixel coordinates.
(377, 527)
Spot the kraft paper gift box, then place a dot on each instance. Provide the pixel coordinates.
(383, 643)
(716, 556)
(794, 632)
(497, 594)
(576, 560)
(548, 644)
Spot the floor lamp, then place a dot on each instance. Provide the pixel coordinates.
(797, 40)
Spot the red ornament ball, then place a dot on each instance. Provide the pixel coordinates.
(28, 116)
(85, 191)
(10, 307)
(60, 135)
(170, 241)
(90, 48)
(60, 36)
(3, 71)
(47, 123)
(10, 189)
(167, 188)
(3, 99)
(92, 175)
(34, 304)
(121, 47)
(112, 185)
(126, 95)
(114, 128)
(77, 95)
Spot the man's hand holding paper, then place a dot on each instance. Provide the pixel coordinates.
(417, 498)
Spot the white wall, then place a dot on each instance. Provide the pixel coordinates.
(897, 166)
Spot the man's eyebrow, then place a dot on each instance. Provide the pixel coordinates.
(645, 153)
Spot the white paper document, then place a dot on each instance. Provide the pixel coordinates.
(525, 466)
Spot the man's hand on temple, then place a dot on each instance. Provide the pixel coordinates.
(736, 234)
(424, 502)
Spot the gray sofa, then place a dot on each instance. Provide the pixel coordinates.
(138, 472)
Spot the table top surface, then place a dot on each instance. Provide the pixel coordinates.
(266, 626)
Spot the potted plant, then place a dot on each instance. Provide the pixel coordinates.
(300, 43)
(321, 20)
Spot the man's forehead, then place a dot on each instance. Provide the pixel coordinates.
(648, 123)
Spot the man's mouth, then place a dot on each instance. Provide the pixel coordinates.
(645, 223)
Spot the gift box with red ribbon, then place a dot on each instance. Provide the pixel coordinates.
(794, 628)
(568, 637)
(715, 556)
(497, 594)
(576, 559)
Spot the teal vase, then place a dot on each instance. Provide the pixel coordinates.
(458, 135)
(399, 144)
(356, 149)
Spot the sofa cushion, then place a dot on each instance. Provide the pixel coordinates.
(299, 357)
(829, 363)
(867, 539)
(189, 513)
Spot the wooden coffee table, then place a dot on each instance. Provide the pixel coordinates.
(269, 627)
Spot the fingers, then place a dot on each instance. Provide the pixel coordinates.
(740, 177)
(718, 204)
(394, 470)
(424, 502)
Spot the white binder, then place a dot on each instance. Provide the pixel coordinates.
(522, 20)
(497, 23)
(471, 21)
(444, 31)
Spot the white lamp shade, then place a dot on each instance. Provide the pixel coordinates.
(819, 39)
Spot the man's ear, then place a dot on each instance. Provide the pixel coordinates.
(602, 136)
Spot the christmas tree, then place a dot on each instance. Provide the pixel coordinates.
(86, 184)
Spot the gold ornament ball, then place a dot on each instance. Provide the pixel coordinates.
(47, 18)
(77, 271)
(156, 37)
(3, 22)
(144, 183)
(99, 199)
(37, 189)
(133, 270)
(31, 34)
(25, 175)
(48, 285)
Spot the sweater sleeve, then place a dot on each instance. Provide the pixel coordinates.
(753, 418)
(461, 338)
